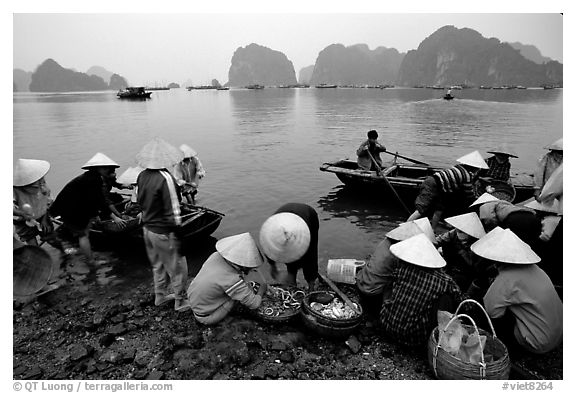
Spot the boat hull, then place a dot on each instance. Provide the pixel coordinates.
(406, 179)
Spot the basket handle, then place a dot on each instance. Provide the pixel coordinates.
(441, 333)
(483, 310)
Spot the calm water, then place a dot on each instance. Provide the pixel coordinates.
(263, 148)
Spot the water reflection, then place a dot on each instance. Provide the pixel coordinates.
(374, 211)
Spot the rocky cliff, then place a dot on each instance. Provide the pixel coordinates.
(257, 64)
(101, 72)
(117, 82)
(463, 56)
(21, 79)
(530, 52)
(51, 77)
(356, 64)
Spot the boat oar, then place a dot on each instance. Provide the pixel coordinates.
(339, 293)
(381, 174)
(407, 158)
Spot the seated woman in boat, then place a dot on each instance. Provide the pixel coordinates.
(189, 172)
(499, 163)
(31, 198)
(420, 289)
(447, 187)
(374, 281)
(371, 146)
(547, 164)
(522, 303)
(220, 284)
(290, 236)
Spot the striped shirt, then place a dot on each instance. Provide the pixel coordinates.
(453, 179)
(410, 315)
(216, 283)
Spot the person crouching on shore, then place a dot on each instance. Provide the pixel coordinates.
(221, 283)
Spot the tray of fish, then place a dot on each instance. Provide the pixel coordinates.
(278, 304)
(336, 309)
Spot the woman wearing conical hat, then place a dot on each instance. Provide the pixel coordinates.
(31, 197)
(160, 202)
(189, 172)
(448, 187)
(462, 264)
(83, 199)
(221, 282)
(374, 281)
(522, 302)
(547, 164)
(290, 236)
(499, 163)
(420, 289)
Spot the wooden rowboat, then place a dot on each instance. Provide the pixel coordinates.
(406, 179)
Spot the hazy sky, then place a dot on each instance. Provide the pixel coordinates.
(157, 48)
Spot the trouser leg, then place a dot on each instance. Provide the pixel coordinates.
(153, 243)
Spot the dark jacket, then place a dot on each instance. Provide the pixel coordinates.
(160, 203)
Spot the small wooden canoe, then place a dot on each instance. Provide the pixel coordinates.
(406, 179)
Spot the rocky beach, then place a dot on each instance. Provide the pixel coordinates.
(83, 330)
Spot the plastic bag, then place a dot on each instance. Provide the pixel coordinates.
(470, 349)
(451, 339)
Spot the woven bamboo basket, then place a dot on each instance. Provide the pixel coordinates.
(447, 366)
(498, 188)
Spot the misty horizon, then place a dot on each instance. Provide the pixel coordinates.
(158, 49)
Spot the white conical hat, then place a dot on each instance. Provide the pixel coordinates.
(28, 171)
(158, 154)
(553, 207)
(284, 237)
(100, 159)
(424, 225)
(504, 148)
(473, 159)
(188, 151)
(558, 145)
(503, 245)
(240, 249)
(418, 250)
(486, 197)
(130, 175)
(404, 231)
(468, 223)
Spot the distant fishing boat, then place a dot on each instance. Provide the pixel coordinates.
(157, 88)
(325, 86)
(255, 87)
(222, 88)
(134, 93)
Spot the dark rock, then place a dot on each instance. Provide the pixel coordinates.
(191, 341)
(78, 352)
(278, 346)
(140, 374)
(102, 365)
(109, 356)
(106, 340)
(166, 366)
(272, 371)
(91, 366)
(259, 372)
(127, 355)
(21, 369)
(118, 318)
(287, 357)
(117, 330)
(155, 375)
(353, 344)
(98, 319)
(142, 358)
(285, 374)
(33, 372)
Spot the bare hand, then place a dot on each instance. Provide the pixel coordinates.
(120, 222)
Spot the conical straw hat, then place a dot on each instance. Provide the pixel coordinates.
(404, 231)
(188, 151)
(473, 159)
(486, 197)
(503, 148)
(424, 225)
(418, 250)
(32, 268)
(468, 223)
(100, 159)
(558, 145)
(240, 249)
(553, 207)
(28, 171)
(158, 154)
(130, 175)
(502, 245)
(284, 237)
